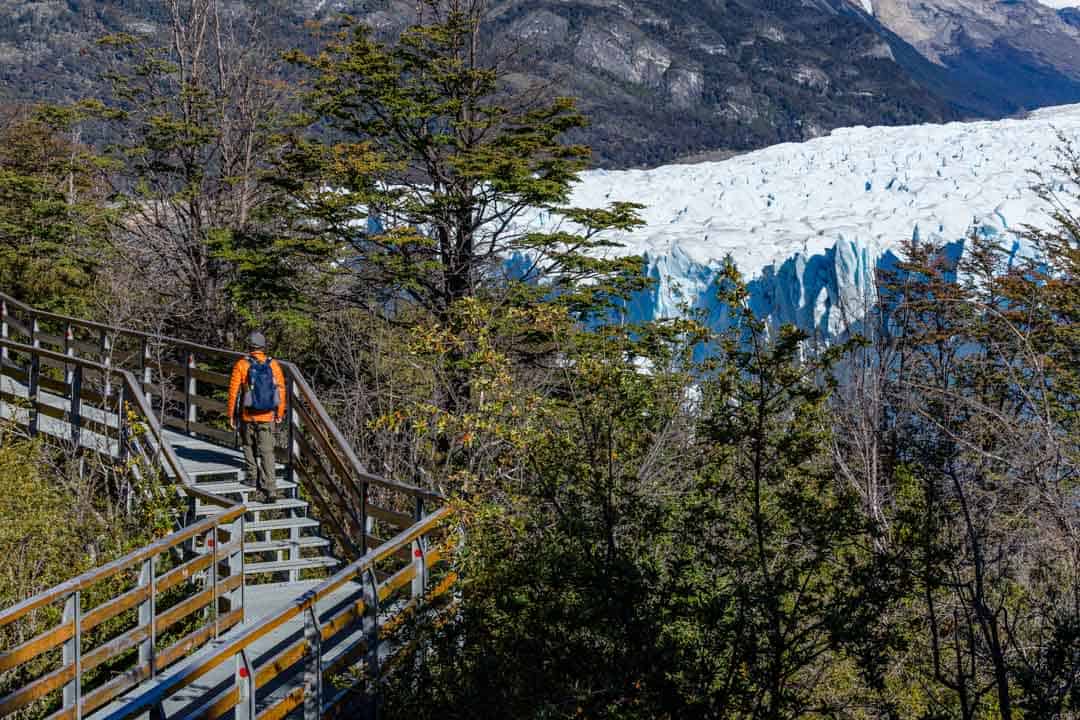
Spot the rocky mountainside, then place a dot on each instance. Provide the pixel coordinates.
(661, 79)
(999, 56)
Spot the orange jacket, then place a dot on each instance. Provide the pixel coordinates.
(236, 383)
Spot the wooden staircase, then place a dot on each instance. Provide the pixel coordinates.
(234, 614)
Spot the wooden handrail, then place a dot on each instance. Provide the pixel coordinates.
(211, 657)
(292, 372)
(108, 570)
(336, 463)
(346, 450)
(137, 396)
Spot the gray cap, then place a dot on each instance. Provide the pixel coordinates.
(257, 341)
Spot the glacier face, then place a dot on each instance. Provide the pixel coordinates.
(807, 224)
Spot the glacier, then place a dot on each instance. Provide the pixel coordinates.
(808, 224)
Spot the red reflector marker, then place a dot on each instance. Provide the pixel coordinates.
(417, 554)
(243, 672)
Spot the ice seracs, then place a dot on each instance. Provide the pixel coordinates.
(808, 223)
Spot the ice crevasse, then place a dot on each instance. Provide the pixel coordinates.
(809, 223)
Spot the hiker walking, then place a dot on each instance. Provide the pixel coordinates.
(257, 394)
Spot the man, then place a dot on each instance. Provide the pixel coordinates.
(257, 393)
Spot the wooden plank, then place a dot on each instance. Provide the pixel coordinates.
(281, 662)
(16, 373)
(118, 685)
(36, 645)
(182, 573)
(223, 436)
(338, 528)
(114, 647)
(50, 411)
(170, 368)
(112, 608)
(397, 520)
(37, 689)
(209, 404)
(284, 706)
(84, 348)
(197, 602)
(108, 570)
(182, 647)
(221, 706)
(19, 326)
(396, 581)
(46, 338)
(343, 619)
(213, 378)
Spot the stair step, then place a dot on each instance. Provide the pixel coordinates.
(283, 504)
(281, 565)
(281, 524)
(239, 488)
(304, 542)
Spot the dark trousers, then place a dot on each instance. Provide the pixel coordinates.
(258, 441)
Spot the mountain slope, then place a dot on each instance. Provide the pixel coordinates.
(661, 79)
(987, 58)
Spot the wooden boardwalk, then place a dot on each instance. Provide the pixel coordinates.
(255, 625)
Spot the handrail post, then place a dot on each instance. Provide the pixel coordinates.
(4, 331)
(245, 685)
(121, 422)
(75, 405)
(212, 541)
(105, 348)
(420, 579)
(72, 654)
(236, 566)
(145, 374)
(189, 390)
(69, 350)
(147, 612)
(32, 393)
(313, 683)
(370, 626)
(35, 329)
(290, 429)
(364, 520)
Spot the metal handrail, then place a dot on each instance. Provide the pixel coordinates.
(71, 591)
(293, 374)
(139, 398)
(343, 462)
(213, 656)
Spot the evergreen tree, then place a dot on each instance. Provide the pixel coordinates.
(422, 185)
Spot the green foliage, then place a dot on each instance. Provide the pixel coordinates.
(424, 194)
(53, 214)
(59, 523)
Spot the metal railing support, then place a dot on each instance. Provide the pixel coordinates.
(212, 541)
(4, 331)
(72, 653)
(75, 404)
(146, 374)
(190, 409)
(245, 684)
(236, 566)
(370, 585)
(32, 393)
(147, 615)
(105, 348)
(69, 350)
(313, 683)
(420, 579)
